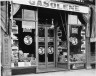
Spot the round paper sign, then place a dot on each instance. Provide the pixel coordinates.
(28, 40)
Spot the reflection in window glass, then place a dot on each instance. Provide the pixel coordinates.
(41, 52)
(50, 33)
(62, 47)
(41, 32)
(77, 43)
(29, 14)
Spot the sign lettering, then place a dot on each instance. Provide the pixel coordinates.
(54, 5)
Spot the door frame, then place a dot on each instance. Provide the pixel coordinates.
(46, 26)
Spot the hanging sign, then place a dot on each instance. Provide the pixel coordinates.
(54, 5)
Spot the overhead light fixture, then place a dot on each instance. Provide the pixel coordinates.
(52, 26)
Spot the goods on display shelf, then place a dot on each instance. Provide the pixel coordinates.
(61, 47)
(14, 37)
(77, 58)
(14, 28)
(20, 59)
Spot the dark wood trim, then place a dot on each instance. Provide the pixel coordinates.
(68, 28)
(88, 55)
(19, 19)
(27, 70)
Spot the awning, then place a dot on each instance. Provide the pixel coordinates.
(3, 16)
(93, 24)
(54, 5)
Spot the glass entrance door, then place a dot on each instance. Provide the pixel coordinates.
(46, 47)
(50, 47)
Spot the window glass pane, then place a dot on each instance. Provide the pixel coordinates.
(29, 14)
(77, 43)
(41, 32)
(50, 33)
(23, 44)
(61, 47)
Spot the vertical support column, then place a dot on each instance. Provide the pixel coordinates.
(86, 18)
(95, 54)
(56, 56)
(68, 47)
(0, 39)
(37, 39)
(6, 52)
(95, 33)
(88, 53)
(0, 50)
(88, 66)
(6, 61)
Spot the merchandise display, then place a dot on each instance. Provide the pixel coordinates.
(21, 58)
(62, 47)
(77, 43)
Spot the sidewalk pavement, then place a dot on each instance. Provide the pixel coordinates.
(82, 72)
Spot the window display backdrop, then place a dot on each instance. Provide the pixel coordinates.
(77, 43)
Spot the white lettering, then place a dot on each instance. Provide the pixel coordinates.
(46, 4)
(58, 7)
(71, 7)
(65, 7)
(39, 3)
(32, 2)
(76, 8)
(83, 44)
(53, 5)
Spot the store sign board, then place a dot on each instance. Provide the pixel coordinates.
(54, 5)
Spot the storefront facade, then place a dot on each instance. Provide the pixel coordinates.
(47, 36)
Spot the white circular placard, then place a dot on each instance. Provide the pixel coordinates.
(74, 40)
(41, 50)
(28, 40)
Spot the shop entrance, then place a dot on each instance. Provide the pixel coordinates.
(46, 48)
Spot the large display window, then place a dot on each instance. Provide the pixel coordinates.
(23, 37)
(62, 49)
(77, 50)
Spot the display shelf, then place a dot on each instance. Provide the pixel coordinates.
(20, 19)
(50, 45)
(15, 47)
(76, 62)
(62, 62)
